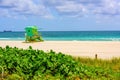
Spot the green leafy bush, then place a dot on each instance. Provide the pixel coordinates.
(32, 64)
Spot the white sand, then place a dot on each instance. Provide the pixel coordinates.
(104, 49)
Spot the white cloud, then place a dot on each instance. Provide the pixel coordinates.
(109, 8)
(24, 7)
(65, 7)
(44, 8)
(72, 7)
(83, 7)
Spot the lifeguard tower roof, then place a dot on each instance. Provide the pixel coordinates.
(31, 30)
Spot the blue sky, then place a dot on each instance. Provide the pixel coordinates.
(60, 15)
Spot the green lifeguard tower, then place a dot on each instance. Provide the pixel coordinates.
(32, 34)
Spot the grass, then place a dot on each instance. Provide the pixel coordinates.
(113, 64)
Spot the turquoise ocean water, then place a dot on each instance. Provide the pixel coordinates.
(67, 35)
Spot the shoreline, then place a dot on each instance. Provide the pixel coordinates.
(64, 40)
(103, 49)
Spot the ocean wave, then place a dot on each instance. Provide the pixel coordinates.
(12, 38)
(5, 38)
(68, 39)
(115, 39)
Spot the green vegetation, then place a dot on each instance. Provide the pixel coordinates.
(110, 64)
(29, 64)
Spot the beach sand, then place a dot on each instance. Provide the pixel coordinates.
(103, 49)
